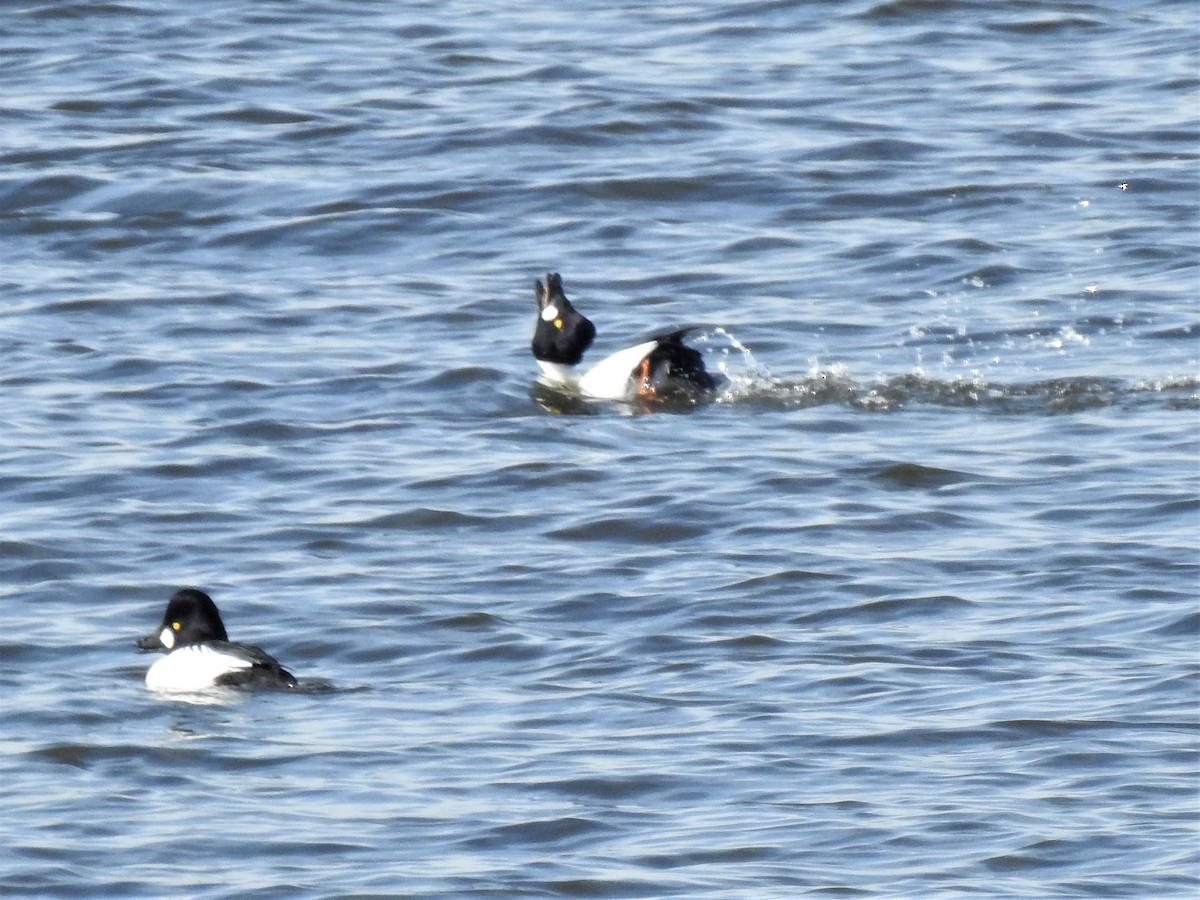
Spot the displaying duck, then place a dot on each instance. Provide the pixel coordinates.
(661, 367)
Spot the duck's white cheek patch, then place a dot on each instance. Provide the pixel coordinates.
(168, 638)
(550, 313)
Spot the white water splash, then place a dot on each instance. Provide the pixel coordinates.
(735, 361)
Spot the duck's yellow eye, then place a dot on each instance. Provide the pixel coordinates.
(558, 323)
(175, 626)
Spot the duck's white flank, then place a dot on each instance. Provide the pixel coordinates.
(609, 379)
(191, 668)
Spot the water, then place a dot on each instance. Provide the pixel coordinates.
(910, 610)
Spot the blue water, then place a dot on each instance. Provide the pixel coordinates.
(910, 609)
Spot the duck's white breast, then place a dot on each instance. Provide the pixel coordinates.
(558, 374)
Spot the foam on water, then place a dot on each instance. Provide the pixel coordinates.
(752, 383)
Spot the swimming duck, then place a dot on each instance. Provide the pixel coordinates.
(200, 655)
(660, 367)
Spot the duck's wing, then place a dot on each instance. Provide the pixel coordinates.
(260, 669)
(675, 334)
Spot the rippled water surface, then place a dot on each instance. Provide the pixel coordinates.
(910, 609)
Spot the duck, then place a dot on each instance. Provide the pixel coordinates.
(661, 367)
(199, 654)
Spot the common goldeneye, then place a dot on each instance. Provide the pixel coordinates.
(661, 367)
(200, 655)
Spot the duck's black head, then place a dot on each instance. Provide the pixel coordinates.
(562, 334)
(191, 618)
